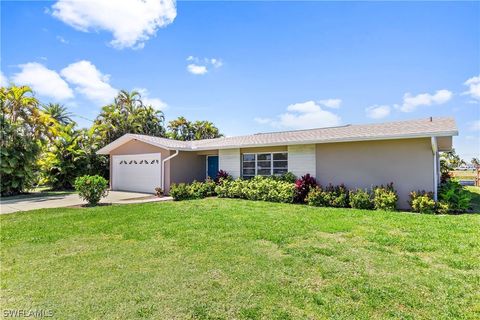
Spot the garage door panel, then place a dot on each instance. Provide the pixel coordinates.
(139, 172)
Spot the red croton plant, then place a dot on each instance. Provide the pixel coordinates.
(303, 187)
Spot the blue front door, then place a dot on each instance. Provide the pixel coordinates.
(212, 166)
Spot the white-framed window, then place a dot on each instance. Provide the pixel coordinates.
(264, 164)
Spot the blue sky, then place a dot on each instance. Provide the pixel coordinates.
(254, 66)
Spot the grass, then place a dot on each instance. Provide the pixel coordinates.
(475, 194)
(235, 259)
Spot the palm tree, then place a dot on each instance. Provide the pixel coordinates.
(129, 100)
(58, 112)
(20, 107)
(18, 102)
(128, 114)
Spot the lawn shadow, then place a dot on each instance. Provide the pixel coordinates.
(475, 202)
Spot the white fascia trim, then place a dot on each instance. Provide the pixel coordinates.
(285, 143)
(128, 137)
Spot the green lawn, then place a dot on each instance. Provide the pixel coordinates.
(234, 259)
(475, 194)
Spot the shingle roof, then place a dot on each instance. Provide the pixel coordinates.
(379, 131)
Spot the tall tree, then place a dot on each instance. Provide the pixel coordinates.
(20, 107)
(24, 129)
(64, 159)
(182, 129)
(476, 162)
(450, 160)
(128, 114)
(58, 112)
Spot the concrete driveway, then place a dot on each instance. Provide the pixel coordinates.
(68, 200)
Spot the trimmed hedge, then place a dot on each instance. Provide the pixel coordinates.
(331, 196)
(453, 198)
(195, 190)
(257, 188)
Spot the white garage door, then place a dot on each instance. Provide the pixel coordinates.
(136, 172)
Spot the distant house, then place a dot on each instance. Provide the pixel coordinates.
(466, 167)
(360, 156)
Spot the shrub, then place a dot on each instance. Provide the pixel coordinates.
(179, 191)
(18, 156)
(385, 198)
(199, 190)
(288, 177)
(303, 187)
(222, 175)
(195, 190)
(257, 188)
(337, 196)
(91, 188)
(454, 198)
(331, 196)
(361, 199)
(422, 202)
(316, 197)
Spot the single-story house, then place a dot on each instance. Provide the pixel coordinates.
(360, 156)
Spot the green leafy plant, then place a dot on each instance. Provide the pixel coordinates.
(194, 190)
(179, 191)
(288, 177)
(385, 198)
(422, 202)
(316, 197)
(199, 190)
(64, 160)
(258, 188)
(330, 196)
(18, 154)
(91, 188)
(454, 197)
(361, 199)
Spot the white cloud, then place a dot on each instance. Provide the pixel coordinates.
(200, 66)
(132, 22)
(378, 112)
(3, 80)
(156, 103)
(262, 120)
(303, 115)
(473, 87)
(62, 40)
(197, 69)
(216, 62)
(410, 103)
(331, 103)
(89, 81)
(42, 80)
(475, 125)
